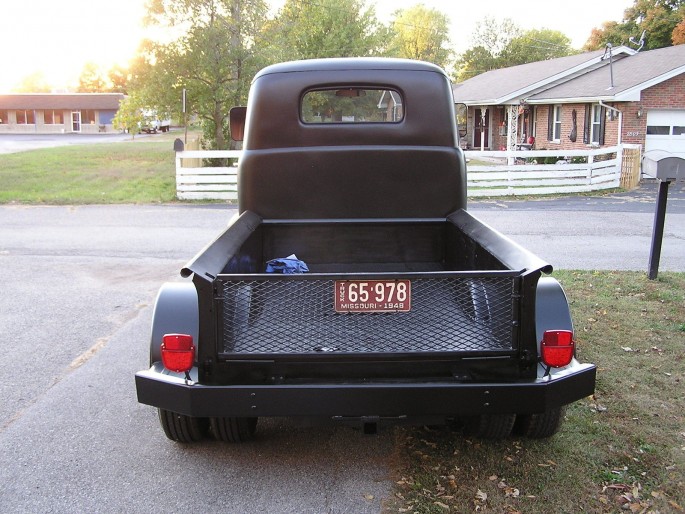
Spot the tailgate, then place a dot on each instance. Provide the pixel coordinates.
(470, 313)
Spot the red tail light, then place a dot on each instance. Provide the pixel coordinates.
(557, 348)
(178, 352)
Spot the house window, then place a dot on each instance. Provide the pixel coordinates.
(51, 117)
(25, 117)
(554, 123)
(88, 116)
(596, 125)
(3, 117)
(557, 123)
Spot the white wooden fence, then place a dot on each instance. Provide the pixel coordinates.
(206, 183)
(526, 177)
(522, 177)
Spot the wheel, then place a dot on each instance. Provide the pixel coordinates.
(539, 426)
(489, 426)
(182, 428)
(234, 430)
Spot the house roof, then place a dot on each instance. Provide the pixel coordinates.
(630, 76)
(100, 101)
(509, 84)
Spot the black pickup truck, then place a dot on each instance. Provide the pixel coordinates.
(353, 285)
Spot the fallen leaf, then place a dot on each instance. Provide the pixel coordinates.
(442, 505)
(482, 496)
(369, 496)
(626, 348)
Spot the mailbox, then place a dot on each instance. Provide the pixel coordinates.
(667, 168)
(663, 166)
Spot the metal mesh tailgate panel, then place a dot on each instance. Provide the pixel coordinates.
(452, 314)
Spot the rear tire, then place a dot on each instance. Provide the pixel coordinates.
(234, 430)
(181, 428)
(540, 426)
(489, 426)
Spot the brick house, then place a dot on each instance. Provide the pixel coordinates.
(58, 113)
(586, 100)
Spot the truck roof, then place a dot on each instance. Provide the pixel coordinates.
(349, 63)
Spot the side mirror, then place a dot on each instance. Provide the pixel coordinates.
(461, 112)
(236, 119)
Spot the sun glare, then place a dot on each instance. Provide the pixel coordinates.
(52, 41)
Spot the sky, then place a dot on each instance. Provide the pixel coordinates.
(58, 37)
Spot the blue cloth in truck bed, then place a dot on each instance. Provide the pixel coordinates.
(286, 265)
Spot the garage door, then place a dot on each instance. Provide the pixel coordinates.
(666, 131)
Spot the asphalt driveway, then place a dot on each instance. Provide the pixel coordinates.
(13, 143)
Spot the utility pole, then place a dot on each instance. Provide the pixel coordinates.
(185, 119)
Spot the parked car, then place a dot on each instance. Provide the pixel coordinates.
(152, 123)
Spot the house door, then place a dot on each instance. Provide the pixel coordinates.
(481, 126)
(76, 121)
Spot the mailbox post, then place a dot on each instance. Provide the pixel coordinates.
(666, 168)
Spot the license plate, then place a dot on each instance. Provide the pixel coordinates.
(372, 296)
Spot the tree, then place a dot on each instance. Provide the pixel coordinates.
(611, 32)
(489, 40)
(129, 117)
(678, 36)
(503, 44)
(474, 61)
(91, 80)
(326, 28)
(118, 78)
(659, 18)
(421, 33)
(215, 58)
(536, 45)
(34, 83)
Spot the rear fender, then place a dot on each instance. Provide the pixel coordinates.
(552, 312)
(176, 312)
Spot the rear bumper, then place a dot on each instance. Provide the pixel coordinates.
(157, 388)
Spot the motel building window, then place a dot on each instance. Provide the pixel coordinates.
(25, 117)
(87, 117)
(51, 117)
(4, 120)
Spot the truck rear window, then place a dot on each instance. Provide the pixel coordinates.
(352, 105)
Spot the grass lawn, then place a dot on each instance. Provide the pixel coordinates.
(622, 450)
(127, 172)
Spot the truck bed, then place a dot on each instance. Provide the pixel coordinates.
(464, 298)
